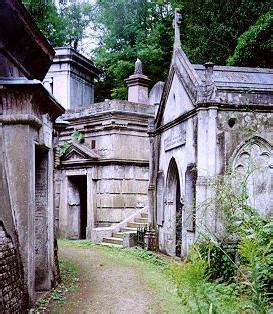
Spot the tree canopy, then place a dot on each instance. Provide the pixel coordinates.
(218, 31)
(65, 26)
(222, 31)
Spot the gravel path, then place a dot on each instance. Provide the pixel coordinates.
(113, 282)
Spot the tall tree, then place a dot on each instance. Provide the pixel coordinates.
(211, 29)
(254, 47)
(48, 20)
(65, 26)
(143, 28)
(131, 29)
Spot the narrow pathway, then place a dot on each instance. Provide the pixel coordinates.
(113, 281)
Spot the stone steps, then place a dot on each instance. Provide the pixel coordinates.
(117, 235)
(127, 229)
(144, 215)
(136, 224)
(113, 240)
(142, 220)
(116, 240)
(111, 245)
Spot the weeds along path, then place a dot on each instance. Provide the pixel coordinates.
(116, 281)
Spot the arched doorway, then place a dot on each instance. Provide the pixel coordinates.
(175, 204)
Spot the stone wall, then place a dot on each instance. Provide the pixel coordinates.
(11, 282)
(120, 190)
(113, 155)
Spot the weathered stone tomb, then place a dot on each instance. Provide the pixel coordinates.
(27, 114)
(102, 177)
(210, 119)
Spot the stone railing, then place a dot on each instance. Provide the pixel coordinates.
(97, 234)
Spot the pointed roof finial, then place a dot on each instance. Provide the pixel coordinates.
(138, 67)
(176, 25)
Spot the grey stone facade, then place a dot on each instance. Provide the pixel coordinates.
(210, 119)
(27, 114)
(104, 175)
(71, 78)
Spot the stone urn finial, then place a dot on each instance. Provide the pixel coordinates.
(138, 85)
(138, 66)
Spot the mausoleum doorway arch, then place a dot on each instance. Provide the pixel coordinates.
(174, 205)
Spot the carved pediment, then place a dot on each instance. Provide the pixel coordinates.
(79, 153)
(183, 85)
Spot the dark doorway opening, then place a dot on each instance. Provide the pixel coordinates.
(174, 200)
(80, 185)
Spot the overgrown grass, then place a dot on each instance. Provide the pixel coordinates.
(214, 279)
(198, 294)
(70, 282)
(136, 252)
(76, 243)
(201, 295)
(232, 272)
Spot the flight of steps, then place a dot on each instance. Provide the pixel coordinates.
(116, 240)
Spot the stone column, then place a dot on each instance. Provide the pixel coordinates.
(91, 201)
(20, 133)
(138, 85)
(206, 167)
(63, 209)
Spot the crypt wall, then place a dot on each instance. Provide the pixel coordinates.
(210, 120)
(113, 156)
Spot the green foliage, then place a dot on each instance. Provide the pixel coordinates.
(66, 26)
(63, 147)
(256, 251)
(48, 20)
(210, 29)
(76, 17)
(254, 234)
(78, 136)
(131, 29)
(254, 47)
(219, 259)
(231, 273)
(199, 295)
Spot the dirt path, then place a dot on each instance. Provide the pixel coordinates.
(112, 281)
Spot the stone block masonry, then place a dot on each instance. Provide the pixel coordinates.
(11, 285)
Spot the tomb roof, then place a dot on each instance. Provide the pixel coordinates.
(22, 42)
(109, 106)
(70, 55)
(47, 99)
(238, 78)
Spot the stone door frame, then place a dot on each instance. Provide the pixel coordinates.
(91, 199)
(173, 184)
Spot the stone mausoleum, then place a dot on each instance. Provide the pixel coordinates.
(27, 115)
(210, 119)
(71, 78)
(102, 169)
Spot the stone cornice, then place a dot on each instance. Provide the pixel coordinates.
(138, 79)
(208, 105)
(21, 119)
(110, 161)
